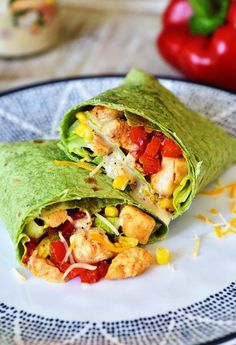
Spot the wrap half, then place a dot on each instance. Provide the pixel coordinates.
(64, 222)
(149, 143)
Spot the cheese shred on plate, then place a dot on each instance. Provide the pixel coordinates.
(233, 207)
(196, 247)
(225, 227)
(219, 190)
(204, 219)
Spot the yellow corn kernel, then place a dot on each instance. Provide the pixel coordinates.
(162, 256)
(81, 117)
(120, 182)
(111, 211)
(84, 131)
(128, 242)
(166, 204)
(43, 248)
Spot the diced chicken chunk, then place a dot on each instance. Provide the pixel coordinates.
(44, 268)
(104, 114)
(181, 170)
(87, 250)
(55, 218)
(136, 223)
(129, 263)
(99, 146)
(169, 177)
(119, 131)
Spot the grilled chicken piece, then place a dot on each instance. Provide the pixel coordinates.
(181, 170)
(119, 131)
(104, 114)
(129, 263)
(44, 268)
(136, 223)
(169, 177)
(87, 250)
(55, 218)
(99, 146)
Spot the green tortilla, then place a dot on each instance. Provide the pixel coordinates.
(208, 149)
(30, 181)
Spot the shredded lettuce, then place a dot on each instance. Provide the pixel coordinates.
(108, 224)
(159, 233)
(181, 193)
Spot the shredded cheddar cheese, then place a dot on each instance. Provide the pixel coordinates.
(218, 231)
(118, 247)
(233, 222)
(214, 211)
(232, 191)
(219, 190)
(224, 227)
(233, 207)
(204, 219)
(221, 233)
(82, 165)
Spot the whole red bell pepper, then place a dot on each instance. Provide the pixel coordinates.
(199, 38)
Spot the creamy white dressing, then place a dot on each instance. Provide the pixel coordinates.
(137, 194)
(84, 223)
(114, 165)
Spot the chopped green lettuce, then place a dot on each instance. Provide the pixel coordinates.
(110, 225)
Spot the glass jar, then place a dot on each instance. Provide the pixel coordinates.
(28, 27)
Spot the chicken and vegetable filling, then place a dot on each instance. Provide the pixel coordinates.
(35, 14)
(65, 243)
(143, 160)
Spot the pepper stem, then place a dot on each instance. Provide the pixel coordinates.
(208, 15)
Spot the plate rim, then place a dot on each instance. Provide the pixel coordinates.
(27, 86)
(50, 81)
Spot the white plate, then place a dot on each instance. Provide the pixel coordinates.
(190, 302)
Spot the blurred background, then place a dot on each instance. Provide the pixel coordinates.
(95, 37)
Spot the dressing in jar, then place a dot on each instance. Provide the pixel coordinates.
(28, 27)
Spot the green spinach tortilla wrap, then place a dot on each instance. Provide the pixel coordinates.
(65, 223)
(149, 143)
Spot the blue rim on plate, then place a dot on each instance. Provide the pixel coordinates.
(115, 75)
(195, 321)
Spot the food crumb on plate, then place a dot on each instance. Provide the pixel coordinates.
(18, 274)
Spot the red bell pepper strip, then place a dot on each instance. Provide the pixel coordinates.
(30, 247)
(150, 165)
(86, 276)
(153, 147)
(139, 139)
(91, 277)
(58, 252)
(76, 214)
(66, 229)
(201, 42)
(72, 274)
(150, 159)
(170, 149)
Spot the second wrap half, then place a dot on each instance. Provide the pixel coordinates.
(59, 217)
